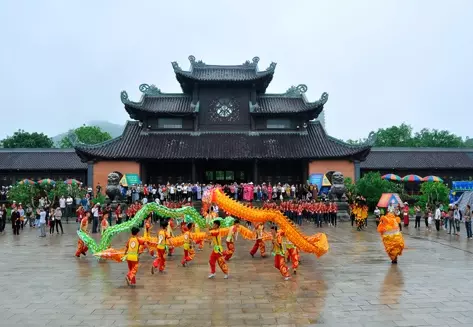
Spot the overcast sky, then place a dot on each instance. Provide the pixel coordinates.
(63, 63)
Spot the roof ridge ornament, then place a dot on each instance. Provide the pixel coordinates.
(124, 97)
(297, 91)
(323, 98)
(150, 89)
(253, 63)
(272, 66)
(195, 63)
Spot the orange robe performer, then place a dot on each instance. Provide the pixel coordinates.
(188, 255)
(392, 237)
(278, 252)
(147, 233)
(131, 256)
(81, 247)
(170, 233)
(259, 241)
(291, 251)
(216, 256)
(104, 224)
(231, 238)
(160, 261)
(199, 242)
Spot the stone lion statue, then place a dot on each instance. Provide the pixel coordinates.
(113, 187)
(338, 189)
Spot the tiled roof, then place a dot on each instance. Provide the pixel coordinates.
(40, 159)
(284, 103)
(176, 104)
(200, 71)
(135, 143)
(418, 158)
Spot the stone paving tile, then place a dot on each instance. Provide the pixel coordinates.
(354, 285)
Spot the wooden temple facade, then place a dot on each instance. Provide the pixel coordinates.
(223, 127)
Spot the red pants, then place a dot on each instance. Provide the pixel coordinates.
(229, 252)
(81, 248)
(217, 257)
(187, 256)
(201, 244)
(132, 270)
(293, 255)
(259, 244)
(281, 265)
(160, 261)
(170, 250)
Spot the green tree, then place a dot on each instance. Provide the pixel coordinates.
(23, 193)
(394, 136)
(22, 139)
(86, 135)
(435, 138)
(371, 186)
(468, 142)
(433, 193)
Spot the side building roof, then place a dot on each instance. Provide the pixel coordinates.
(418, 158)
(138, 143)
(40, 159)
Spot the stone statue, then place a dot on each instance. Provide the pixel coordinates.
(337, 194)
(338, 189)
(113, 187)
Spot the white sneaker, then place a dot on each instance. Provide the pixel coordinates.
(225, 276)
(287, 278)
(211, 276)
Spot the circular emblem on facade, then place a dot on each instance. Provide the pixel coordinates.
(224, 110)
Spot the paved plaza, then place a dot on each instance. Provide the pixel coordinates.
(43, 284)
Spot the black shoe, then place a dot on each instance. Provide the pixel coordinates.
(394, 262)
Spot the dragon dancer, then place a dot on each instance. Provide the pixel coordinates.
(392, 237)
(278, 252)
(231, 238)
(160, 261)
(216, 256)
(132, 255)
(259, 241)
(291, 252)
(147, 233)
(187, 244)
(170, 233)
(81, 247)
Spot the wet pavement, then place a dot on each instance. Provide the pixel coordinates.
(43, 284)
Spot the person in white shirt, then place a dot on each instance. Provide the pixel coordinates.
(42, 223)
(69, 202)
(457, 216)
(62, 205)
(438, 216)
(95, 220)
(377, 214)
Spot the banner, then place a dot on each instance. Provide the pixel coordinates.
(316, 179)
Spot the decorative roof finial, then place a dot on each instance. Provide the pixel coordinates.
(72, 137)
(191, 59)
(124, 97)
(297, 91)
(255, 60)
(195, 63)
(149, 89)
(175, 66)
(323, 98)
(272, 66)
(371, 140)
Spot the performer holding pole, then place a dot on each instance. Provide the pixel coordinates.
(132, 255)
(278, 253)
(259, 241)
(160, 261)
(81, 247)
(216, 256)
(231, 238)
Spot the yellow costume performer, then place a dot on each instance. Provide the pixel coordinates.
(392, 237)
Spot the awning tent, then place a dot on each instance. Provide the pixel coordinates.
(130, 179)
(389, 198)
(465, 198)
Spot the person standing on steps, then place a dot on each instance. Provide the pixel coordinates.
(57, 220)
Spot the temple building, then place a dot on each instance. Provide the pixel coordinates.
(223, 127)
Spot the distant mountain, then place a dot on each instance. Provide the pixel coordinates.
(115, 130)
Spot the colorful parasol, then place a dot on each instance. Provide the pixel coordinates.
(432, 179)
(391, 177)
(72, 181)
(46, 181)
(27, 182)
(412, 178)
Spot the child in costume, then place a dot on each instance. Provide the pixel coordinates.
(170, 234)
(160, 261)
(259, 241)
(231, 238)
(200, 242)
(81, 247)
(104, 224)
(291, 251)
(392, 237)
(132, 255)
(187, 244)
(216, 256)
(278, 252)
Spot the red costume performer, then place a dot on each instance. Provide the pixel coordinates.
(278, 252)
(160, 261)
(170, 233)
(259, 241)
(405, 211)
(132, 256)
(81, 247)
(291, 251)
(187, 244)
(231, 238)
(216, 256)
